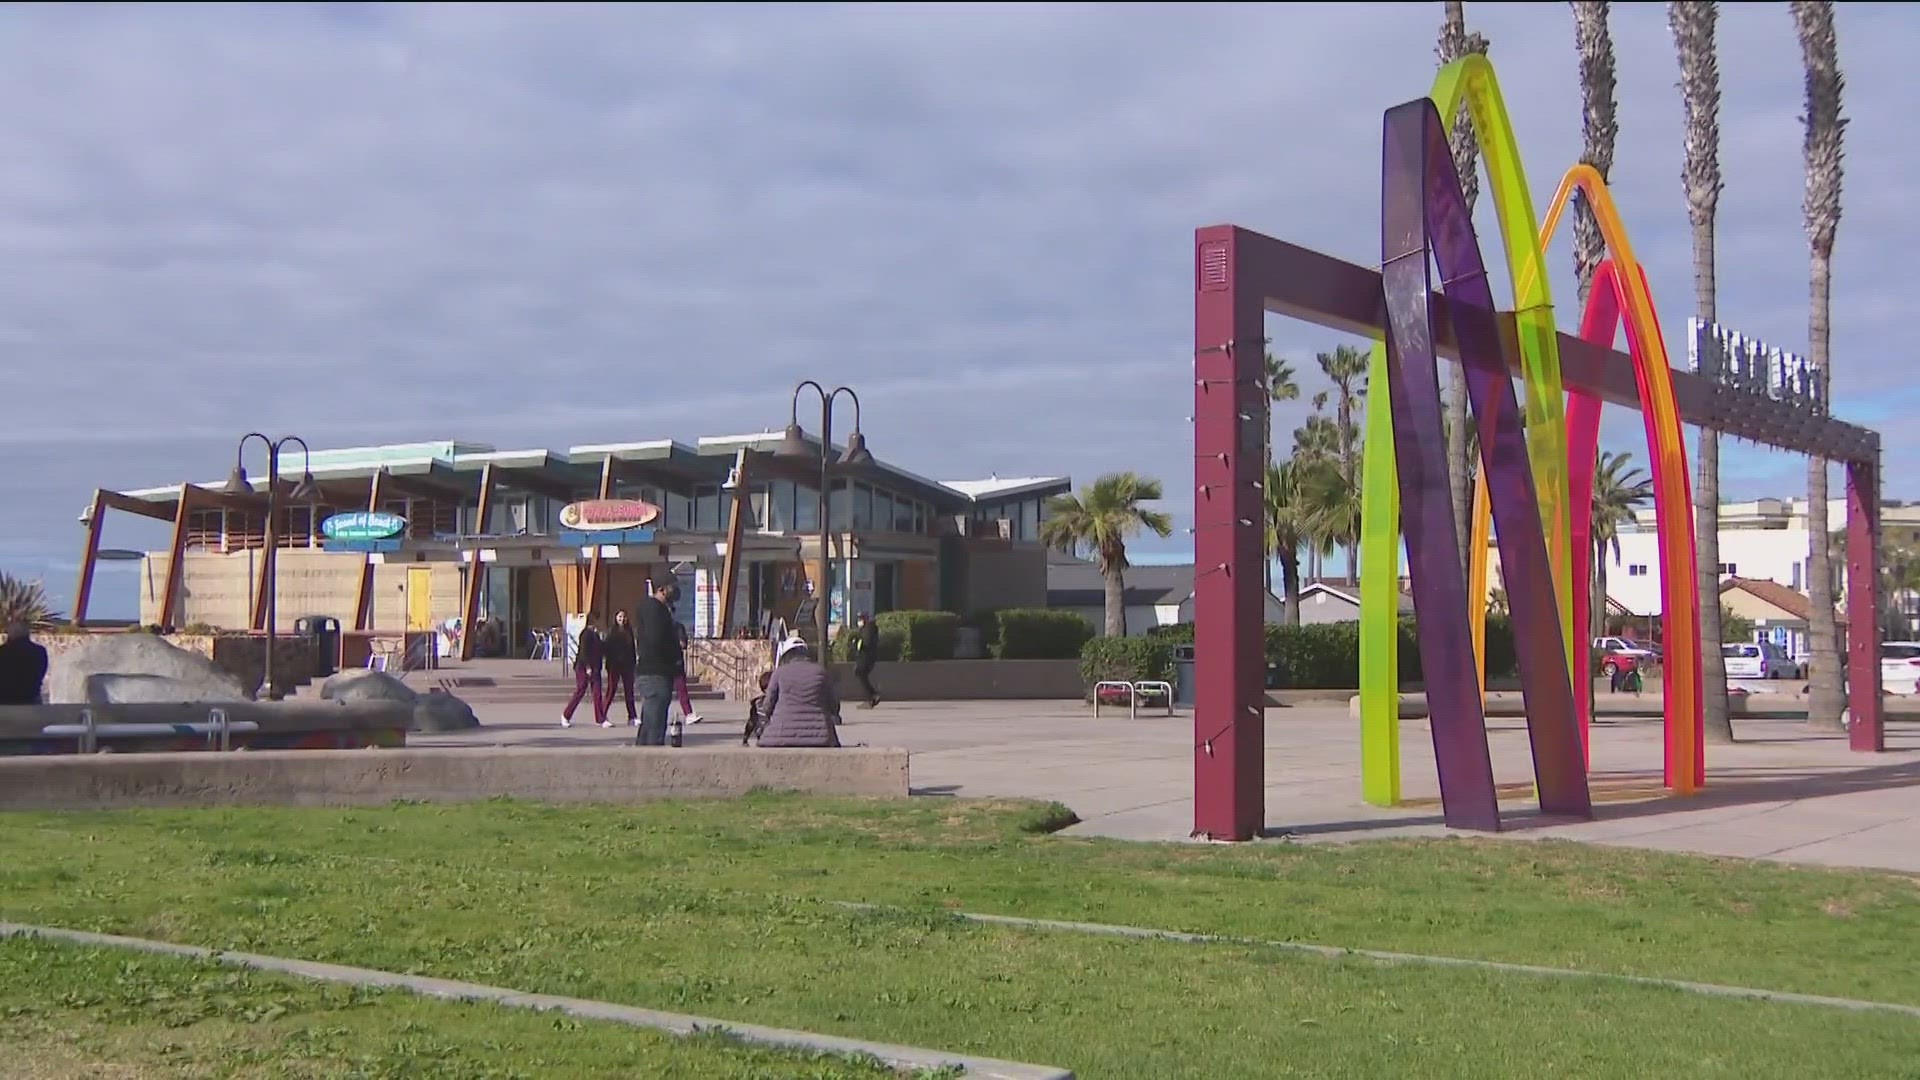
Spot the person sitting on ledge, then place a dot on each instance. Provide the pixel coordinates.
(801, 707)
(23, 667)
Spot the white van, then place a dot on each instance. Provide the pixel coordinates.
(1759, 660)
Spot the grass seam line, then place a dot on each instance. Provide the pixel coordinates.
(680, 1024)
(1336, 952)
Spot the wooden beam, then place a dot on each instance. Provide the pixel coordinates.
(83, 591)
(177, 553)
(363, 608)
(476, 569)
(269, 559)
(607, 468)
(736, 534)
(128, 504)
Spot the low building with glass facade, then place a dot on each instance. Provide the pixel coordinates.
(480, 534)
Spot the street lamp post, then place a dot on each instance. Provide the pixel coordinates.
(304, 491)
(794, 447)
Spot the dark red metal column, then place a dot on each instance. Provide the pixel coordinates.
(1863, 607)
(1229, 718)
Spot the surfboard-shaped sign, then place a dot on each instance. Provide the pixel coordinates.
(363, 525)
(596, 515)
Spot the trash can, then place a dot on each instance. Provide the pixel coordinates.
(1183, 675)
(324, 633)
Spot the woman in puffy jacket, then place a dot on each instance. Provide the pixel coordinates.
(801, 707)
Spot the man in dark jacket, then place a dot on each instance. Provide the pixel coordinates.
(657, 659)
(866, 644)
(588, 660)
(23, 667)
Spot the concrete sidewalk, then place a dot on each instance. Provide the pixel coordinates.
(1783, 792)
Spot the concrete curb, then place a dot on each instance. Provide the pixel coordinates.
(1335, 952)
(899, 1057)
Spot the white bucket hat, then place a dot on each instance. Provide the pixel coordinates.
(787, 646)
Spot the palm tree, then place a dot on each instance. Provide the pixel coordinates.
(1692, 23)
(1825, 129)
(1099, 520)
(1456, 42)
(1288, 527)
(1598, 124)
(23, 601)
(1618, 490)
(1281, 386)
(1346, 367)
(1333, 505)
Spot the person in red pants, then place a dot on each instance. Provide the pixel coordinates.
(680, 677)
(587, 663)
(621, 660)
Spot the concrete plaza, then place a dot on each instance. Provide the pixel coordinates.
(1782, 792)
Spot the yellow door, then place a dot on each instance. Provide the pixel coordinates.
(419, 598)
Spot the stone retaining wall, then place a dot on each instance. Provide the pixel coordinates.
(377, 777)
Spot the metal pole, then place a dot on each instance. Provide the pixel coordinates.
(820, 612)
(272, 565)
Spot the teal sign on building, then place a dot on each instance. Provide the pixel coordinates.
(363, 525)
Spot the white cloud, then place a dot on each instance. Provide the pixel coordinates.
(560, 224)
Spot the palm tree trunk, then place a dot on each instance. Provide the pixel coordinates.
(1826, 693)
(1290, 582)
(1456, 42)
(1825, 130)
(1597, 608)
(1693, 23)
(1116, 604)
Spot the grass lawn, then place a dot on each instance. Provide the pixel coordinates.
(72, 1011)
(722, 909)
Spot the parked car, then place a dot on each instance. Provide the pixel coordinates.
(1625, 654)
(1899, 666)
(1759, 660)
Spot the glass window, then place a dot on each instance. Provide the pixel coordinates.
(706, 507)
(903, 515)
(762, 503)
(840, 507)
(780, 506)
(806, 509)
(862, 507)
(920, 511)
(882, 511)
(1029, 527)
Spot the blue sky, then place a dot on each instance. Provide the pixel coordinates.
(569, 224)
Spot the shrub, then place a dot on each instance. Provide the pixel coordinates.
(1128, 658)
(891, 642)
(923, 635)
(1039, 634)
(1327, 655)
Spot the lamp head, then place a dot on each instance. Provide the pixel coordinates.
(306, 491)
(856, 452)
(237, 483)
(795, 445)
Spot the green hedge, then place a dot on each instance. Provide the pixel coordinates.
(891, 641)
(1327, 655)
(923, 635)
(1129, 658)
(1038, 634)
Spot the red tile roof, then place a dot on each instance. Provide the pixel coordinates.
(1791, 601)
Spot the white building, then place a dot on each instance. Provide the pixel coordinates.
(1762, 540)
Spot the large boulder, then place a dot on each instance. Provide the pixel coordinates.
(188, 676)
(155, 689)
(437, 710)
(366, 684)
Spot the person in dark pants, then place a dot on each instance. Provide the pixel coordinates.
(588, 661)
(620, 658)
(23, 667)
(866, 645)
(657, 659)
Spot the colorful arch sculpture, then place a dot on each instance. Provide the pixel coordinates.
(1561, 443)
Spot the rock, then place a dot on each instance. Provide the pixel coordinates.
(366, 684)
(154, 689)
(438, 710)
(187, 673)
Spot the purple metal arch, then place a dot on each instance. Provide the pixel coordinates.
(1424, 213)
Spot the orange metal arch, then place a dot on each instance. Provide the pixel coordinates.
(1620, 295)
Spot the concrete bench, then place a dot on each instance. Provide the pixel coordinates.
(166, 726)
(374, 777)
